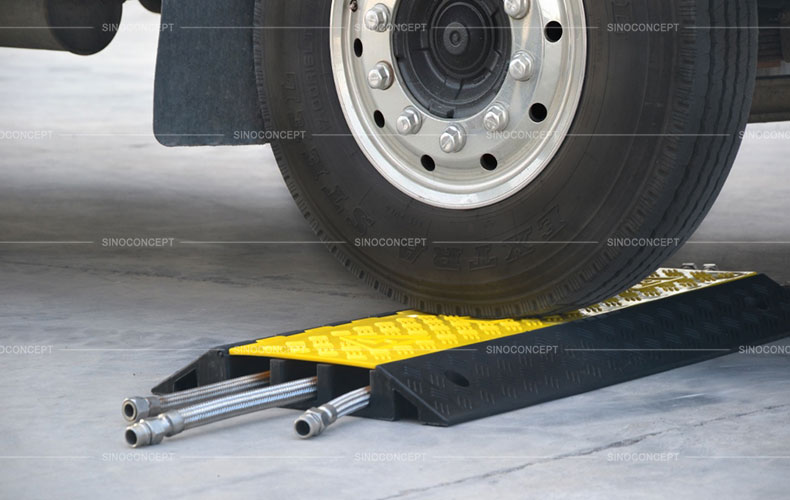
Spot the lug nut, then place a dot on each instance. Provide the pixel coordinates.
(496, 118)
(409, 122)
(378, 18)
(517, 9)
(522, 66)
(453, 139)
(380, 77)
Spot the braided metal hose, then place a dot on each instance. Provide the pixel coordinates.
(135, 408)
(315, 420)
(148, 432)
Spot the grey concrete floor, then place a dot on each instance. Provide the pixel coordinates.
(113, 322)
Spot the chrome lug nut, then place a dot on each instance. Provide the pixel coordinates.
(496, 118)
(517, 9)
(380, 77)
(453, 139)
(522, 66)
(378, 18)
(409, 122)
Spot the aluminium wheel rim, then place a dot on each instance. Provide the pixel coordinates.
(503, 134)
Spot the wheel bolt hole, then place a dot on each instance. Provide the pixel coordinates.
(358, 47)
(553, 31)
(428, 163)
(379, 119)
(538, 112)
(489, 162)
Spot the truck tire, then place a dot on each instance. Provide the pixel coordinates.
(641, 136)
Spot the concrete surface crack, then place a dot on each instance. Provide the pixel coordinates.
(582, 453)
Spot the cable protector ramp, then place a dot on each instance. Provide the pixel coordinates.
(443, 370)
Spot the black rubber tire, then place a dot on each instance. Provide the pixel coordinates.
(653, 140)
(153, 5)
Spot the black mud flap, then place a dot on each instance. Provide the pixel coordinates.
(205, 92)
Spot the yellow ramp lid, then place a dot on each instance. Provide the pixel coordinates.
(369, 342)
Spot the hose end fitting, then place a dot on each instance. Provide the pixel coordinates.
(315, 420)
(153, 431)
(138, 435)
(134, 409)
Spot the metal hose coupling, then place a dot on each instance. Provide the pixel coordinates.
(135, 408)
(315, 420)
(152, 431)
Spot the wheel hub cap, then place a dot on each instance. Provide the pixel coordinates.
(456, 66)
(479, 100)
